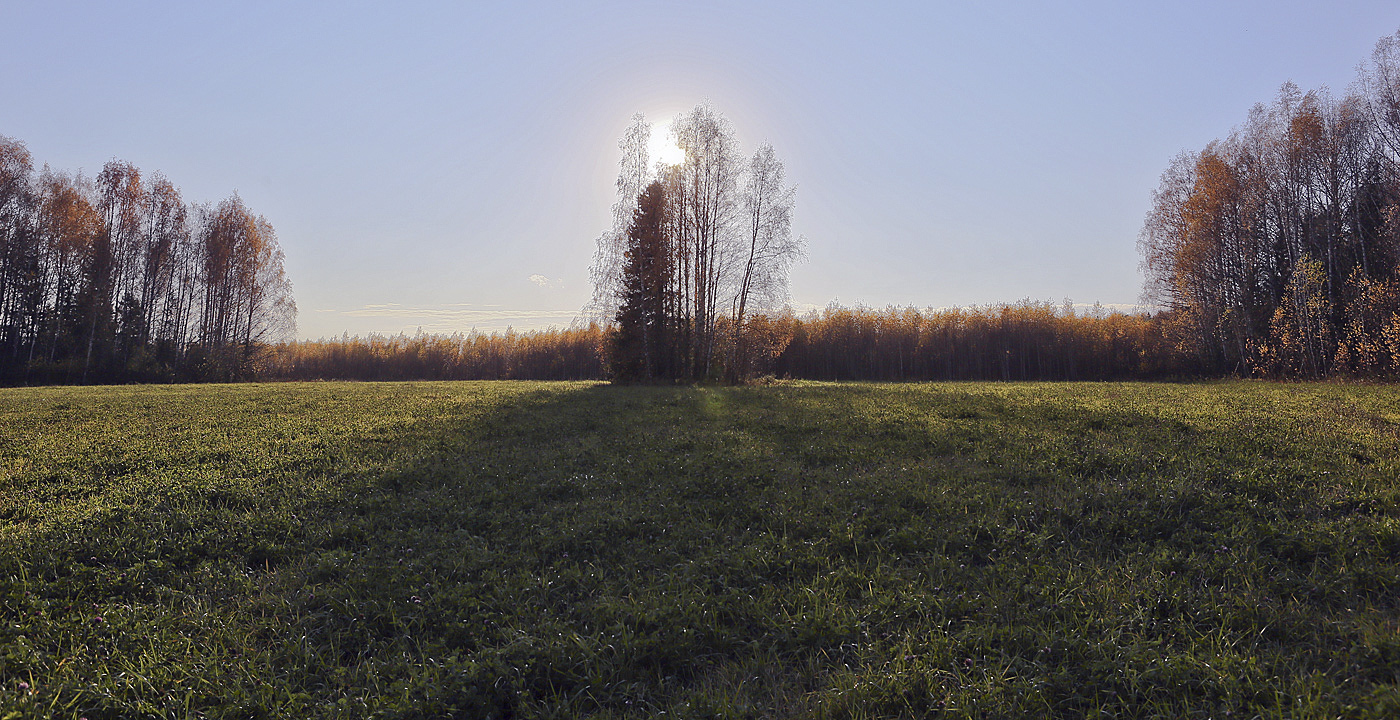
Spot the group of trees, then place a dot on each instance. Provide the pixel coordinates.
(1276, 249)
(695, 249)
(116, 278)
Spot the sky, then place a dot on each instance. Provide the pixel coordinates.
(449, 166)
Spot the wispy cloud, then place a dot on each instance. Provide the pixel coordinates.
(1125, 308)
(391, 318)
(801, 308)
(542, 281)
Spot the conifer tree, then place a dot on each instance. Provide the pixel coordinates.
(641, 346)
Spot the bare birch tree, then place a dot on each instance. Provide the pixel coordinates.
(706, 208)
(633, 174)
(767, 205)
(17, 238)
(1380, 84)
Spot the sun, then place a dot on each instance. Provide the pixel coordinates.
(661, 148)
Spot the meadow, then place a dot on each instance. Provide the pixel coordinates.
(554, 550)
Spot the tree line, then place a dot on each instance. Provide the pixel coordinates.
(568, 354)
(1276, 249)
(116, 278)
(1021, 341)
(1008, 342)
(695, 249)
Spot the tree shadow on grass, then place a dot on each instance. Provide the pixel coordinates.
(525, 549)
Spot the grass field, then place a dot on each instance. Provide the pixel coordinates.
(1223, 550)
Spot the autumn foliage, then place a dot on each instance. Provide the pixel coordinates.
(571, 354)
(1023, 341)
(1276, 250)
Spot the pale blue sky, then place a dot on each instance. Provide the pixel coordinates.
(422, 161)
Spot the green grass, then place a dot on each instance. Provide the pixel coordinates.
(1224, 550)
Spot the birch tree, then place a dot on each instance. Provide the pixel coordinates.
(633, 174)
(771, 250)
(706, 209)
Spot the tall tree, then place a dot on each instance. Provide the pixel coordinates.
(640, 346)
(706, 212)
(1380, 83)
(70, 228)
(19, 249)
(633, 174)
(246, 294)
(767, 204)
(165, 223)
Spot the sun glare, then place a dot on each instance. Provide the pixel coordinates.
(662, 147)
